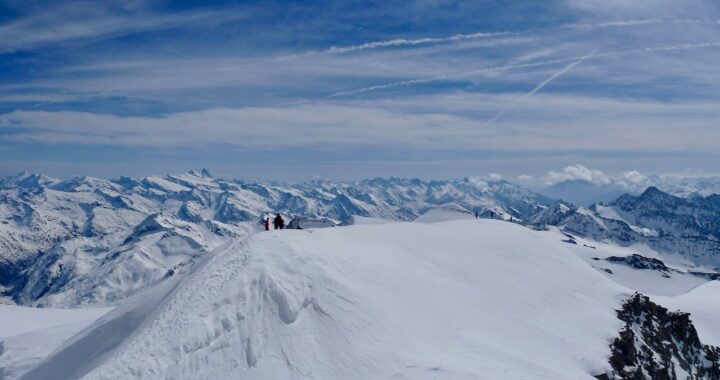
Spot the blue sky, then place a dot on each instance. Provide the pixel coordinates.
(297, 90)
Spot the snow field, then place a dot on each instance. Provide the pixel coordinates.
(460, 299)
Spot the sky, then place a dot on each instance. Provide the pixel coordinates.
(295, 90)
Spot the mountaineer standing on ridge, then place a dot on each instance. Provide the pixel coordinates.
(279, 222)
(267, 223)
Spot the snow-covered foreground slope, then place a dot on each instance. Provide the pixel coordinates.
(460, 299)
(27, 334)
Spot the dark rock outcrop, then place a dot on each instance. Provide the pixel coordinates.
(657, 344)
(639, 262)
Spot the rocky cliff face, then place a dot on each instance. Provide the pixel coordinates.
(656, 344)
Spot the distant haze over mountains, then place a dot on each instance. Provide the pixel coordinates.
(585, 192)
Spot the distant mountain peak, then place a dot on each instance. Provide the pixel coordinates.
(203, 173)
(653, 191)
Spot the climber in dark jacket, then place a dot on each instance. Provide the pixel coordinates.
(279, 222)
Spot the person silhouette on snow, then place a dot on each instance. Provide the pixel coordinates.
(279, 222)
(267, 223)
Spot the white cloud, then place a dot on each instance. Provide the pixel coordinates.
(619, 8)
(92, 21)
(427, 122)
(525, 177)
(633, 180)
(248, 127)
(494, 176)
(479, 183)
(634, 177)
(578, 172)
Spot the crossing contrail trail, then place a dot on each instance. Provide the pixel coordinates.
(539, 87)
(450, 76)
(411, 82)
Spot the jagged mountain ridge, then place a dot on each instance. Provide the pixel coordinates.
(87, 240)
(689, 227)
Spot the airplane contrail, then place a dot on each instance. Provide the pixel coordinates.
(613, 23)
(420, 41)
(445, 77)
(520, 66)
(461, 37)
(539, 87)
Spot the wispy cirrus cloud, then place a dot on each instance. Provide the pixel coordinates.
(423, 76)
(544, 122)
(573, 59)
(93, 21)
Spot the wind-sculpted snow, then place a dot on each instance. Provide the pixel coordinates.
(93, 241)
(466, 299)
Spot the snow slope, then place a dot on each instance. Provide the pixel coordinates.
(16, 320)
(444, 214)
(676, 280)
(462, 299)
(27, 335)
(702, 303)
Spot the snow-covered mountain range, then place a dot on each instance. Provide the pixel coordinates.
(688, 228)
(181, 282)
(89, 241)
(95, 241)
